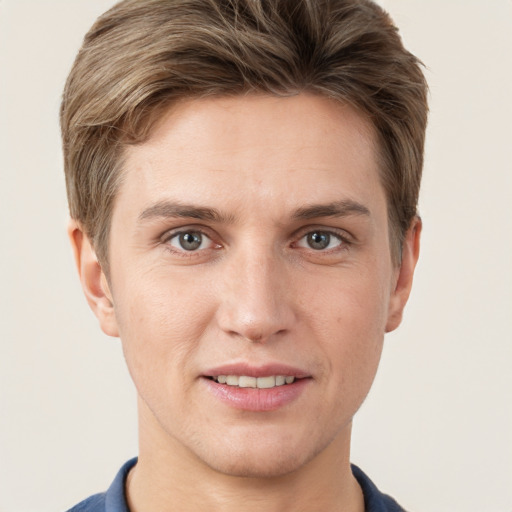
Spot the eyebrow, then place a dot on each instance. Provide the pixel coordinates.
(335, 209)
(170, 209)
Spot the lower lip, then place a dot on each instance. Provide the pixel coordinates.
(254, 399)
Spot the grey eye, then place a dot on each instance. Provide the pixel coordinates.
(318, 240)
(189, 240)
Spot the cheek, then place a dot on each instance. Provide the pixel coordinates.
(350, 320)
(160, 323)
(352, 304)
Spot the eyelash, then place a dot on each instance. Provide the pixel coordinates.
(166, 239)
(344, 241)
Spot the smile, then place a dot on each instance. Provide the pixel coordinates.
(245, 381)
(257, 388)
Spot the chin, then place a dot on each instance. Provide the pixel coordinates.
(260, 456)
(256, 466)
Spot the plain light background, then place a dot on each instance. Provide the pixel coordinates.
(436, 430)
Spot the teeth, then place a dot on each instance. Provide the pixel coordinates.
(244, 381)
(247, 382)
(267, 382)
(232, 380)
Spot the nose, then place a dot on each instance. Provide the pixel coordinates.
(255, 297)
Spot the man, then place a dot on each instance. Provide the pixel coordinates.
(243, 178)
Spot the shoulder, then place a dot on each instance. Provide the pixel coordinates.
(114, 500)
(94, 503)
(374, 500)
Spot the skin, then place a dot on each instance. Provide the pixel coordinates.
(255, 292)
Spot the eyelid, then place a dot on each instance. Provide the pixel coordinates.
(205, 240)
(335, 243)
(168, 235)
(342, 234)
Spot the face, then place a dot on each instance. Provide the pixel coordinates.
(251, 279)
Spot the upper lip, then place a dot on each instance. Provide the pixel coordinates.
(251, 370)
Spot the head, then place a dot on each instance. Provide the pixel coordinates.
(142, 57)
(246, 174)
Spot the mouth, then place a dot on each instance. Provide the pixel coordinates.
(262, 388)
(247, 381)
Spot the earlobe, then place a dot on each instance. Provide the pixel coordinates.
(94, 283)
(402, 289)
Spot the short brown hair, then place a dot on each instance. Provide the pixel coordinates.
(142, 55)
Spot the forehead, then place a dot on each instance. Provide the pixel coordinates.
(303, 148)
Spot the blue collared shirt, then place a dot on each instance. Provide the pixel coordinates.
(114, 500)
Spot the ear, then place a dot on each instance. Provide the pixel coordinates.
(405, 274)
(93, 279)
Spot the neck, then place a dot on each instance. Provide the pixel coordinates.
(169, 477)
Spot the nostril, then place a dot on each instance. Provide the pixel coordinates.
(258, 336)
(244, 318)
